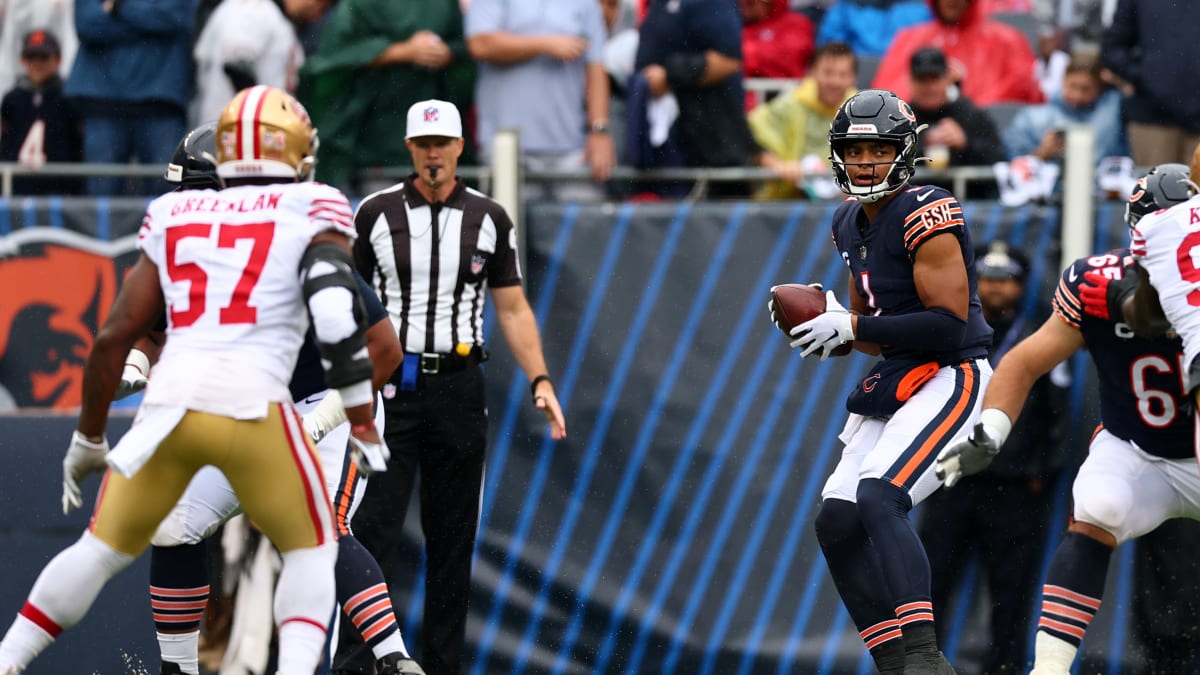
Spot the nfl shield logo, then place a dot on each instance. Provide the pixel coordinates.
(477, 262)
(431, 114)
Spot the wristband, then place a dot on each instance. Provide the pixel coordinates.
(533, 384)
(999, 420)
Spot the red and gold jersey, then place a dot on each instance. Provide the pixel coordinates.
(229, 264)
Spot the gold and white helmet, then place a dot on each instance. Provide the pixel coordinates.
(265, 133)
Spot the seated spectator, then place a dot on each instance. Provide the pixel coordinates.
(793, 128)
(18, 18)
(1038, 130)
(776, 42)
(869, 26)
(959, 133)
(244, 43)
(990, 61)
(132, 81)
(687, 50)
(37, 124)
(375, 59)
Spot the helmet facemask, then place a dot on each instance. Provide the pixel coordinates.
(901, 171)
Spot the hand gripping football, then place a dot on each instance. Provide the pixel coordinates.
(796, 303)
(793, 304)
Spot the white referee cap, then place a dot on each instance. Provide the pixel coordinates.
(434, 118)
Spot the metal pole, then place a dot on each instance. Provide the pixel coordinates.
(1078, 206)
(506, 181)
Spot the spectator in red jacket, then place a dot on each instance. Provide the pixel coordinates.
(992, 62)
(776, 42)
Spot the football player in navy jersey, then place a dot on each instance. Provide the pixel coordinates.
(913, 299)
(1140, 469)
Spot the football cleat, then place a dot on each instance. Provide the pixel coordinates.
(398, 664)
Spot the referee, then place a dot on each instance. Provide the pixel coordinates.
(431, 246)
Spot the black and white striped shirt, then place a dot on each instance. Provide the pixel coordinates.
(432, 263)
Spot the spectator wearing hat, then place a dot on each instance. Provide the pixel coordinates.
(959, 133)
(132, 81)
(22, 16)
(1004, 512)
(37, 123)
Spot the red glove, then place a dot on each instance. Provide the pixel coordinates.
(1103, 297)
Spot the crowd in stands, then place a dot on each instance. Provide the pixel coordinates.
(591, 84)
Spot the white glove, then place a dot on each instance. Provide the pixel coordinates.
(83, 457)
(370, 457)
(133, 379)
(825, 332)
(973, 453)
(326, 417)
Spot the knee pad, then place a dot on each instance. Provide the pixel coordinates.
(1105, 504)
(836, 521)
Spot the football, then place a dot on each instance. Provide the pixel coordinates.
(797, 303)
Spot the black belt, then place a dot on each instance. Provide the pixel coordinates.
(433, 363)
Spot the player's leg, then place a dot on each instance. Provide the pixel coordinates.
(1120, 493)
(277, 477)
(179, 567)
(362, 592)
(897, 474)
(378, 522)
(450, 490)
(852, 559)
(127, 512)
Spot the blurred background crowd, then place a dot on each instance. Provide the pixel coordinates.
(591, 85)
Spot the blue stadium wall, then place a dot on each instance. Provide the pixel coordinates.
(671, 531)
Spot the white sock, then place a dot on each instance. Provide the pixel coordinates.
(1052, 655)
(62, 594)
(182, 649)
(304, 602)
(24, 640)
(391, 644)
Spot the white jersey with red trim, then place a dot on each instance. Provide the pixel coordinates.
(229, 266)
(1167, 244)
